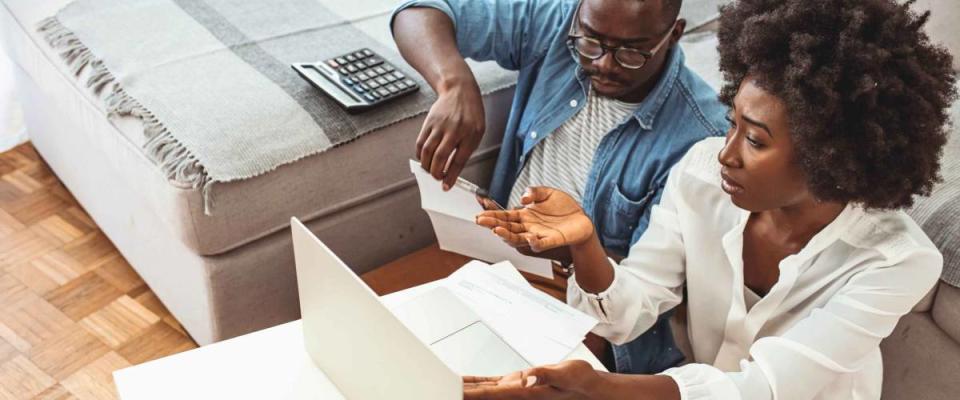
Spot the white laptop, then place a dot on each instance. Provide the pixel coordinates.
(369, 352)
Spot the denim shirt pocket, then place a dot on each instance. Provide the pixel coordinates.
(620, 218)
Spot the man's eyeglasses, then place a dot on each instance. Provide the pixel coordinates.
(593, 49)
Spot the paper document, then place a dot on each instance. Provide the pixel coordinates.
(453, 215)
(541, 329)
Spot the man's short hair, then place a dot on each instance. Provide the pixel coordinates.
(671, 9)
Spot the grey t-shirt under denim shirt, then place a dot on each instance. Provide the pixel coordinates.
(562, 160)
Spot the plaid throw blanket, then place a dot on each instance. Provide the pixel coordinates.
(212, 83)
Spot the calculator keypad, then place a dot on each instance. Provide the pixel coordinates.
(367, 74)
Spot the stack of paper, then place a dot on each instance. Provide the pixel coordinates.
(543, 330)
(453, 215)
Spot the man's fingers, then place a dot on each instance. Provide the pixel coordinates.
(441, 156)
(429, 148)
(422, 138)
(487, 204)
(460, 157)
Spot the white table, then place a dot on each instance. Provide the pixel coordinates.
(268, 364)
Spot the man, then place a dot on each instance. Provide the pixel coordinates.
(604, 107)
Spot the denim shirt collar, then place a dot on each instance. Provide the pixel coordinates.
(650, 108)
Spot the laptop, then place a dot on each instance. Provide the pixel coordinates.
(417, 351)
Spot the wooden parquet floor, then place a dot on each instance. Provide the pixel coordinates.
(72, 310)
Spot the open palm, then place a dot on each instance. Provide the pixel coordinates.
(548, 219)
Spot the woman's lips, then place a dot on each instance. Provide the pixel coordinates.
(729, 185)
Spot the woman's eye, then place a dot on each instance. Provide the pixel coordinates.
(754, 143)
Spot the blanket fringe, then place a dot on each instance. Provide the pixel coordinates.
(177, 163)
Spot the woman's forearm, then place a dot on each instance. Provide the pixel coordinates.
(593, 270)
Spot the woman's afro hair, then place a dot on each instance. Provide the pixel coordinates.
(867, 91)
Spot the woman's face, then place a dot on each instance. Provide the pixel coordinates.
(759, 172)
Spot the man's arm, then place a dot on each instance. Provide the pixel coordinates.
(456, 122)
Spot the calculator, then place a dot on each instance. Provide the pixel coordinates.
(358, 81)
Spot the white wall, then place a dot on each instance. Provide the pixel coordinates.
(12, 131)
(944, 25)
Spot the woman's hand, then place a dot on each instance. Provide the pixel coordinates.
(574, 379)
(548, 219)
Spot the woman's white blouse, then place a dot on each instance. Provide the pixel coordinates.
(815, 335)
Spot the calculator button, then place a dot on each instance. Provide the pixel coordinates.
(369, 97)
(392, 88)
(374, 94)
(350, 69)
(380, 70)
(350, 58)
(367, 52)
(383, 92)
(398, 75)
(359, 65)
(410, 83)
(388, 67)
(333, 64)
(348, 81)
(361, 76)
(365, 86)
(389, 78)
(359, 55)
(401, 85)
(381, 80)
(358, 89)
(373, 84)
(340, 60)
(374, 61)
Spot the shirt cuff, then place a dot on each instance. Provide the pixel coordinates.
(598, 301)
(701, 382)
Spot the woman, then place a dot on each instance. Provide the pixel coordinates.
(785, 235)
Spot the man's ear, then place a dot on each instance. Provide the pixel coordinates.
(678, 30)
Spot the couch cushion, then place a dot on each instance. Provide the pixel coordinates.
(946, 310)
(920, 361)
(926, 303)
(939, 214)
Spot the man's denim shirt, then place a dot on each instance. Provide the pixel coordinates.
(632, 162)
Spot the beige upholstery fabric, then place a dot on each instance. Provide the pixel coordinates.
(946, 311)
(920, 361)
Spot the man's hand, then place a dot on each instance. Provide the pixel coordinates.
(452, 130)
(549, 219)
(566, 380)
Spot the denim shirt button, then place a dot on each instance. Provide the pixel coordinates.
(533, 134)
(573, 103)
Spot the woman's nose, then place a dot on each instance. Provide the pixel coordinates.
(730, 153)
